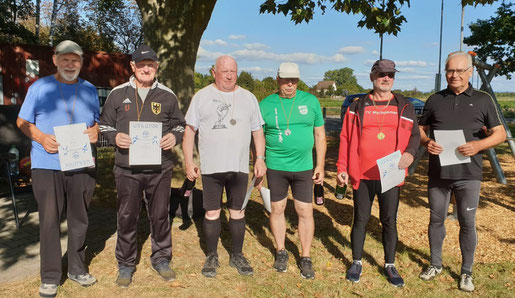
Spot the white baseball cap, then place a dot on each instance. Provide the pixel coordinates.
(288, 70)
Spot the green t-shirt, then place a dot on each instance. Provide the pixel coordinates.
(289, 144)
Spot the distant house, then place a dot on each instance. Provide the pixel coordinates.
(323, 86)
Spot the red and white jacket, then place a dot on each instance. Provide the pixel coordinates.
(407, 139)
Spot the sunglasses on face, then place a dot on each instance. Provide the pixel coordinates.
(391, 75)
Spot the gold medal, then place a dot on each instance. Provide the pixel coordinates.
(380, 136)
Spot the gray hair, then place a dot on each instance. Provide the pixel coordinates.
(221, 58)
(459, 53)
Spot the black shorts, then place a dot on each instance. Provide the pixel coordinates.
(235, 184)
(300, 182)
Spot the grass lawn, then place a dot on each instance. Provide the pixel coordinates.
(494, 271)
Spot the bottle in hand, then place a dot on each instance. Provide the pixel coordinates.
(187, 187)
(340, 191)
(319, 194)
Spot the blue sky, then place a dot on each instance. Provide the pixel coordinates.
(260, 42)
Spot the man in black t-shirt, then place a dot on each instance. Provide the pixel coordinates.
(459, 107)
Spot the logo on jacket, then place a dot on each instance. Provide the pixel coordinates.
(156, 108)
(127, 100)
(303, 110)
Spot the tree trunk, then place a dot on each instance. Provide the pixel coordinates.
(52, 22)
(38, 12)
(173, 28)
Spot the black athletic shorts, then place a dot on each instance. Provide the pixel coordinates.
(235, 184)
(300, 182)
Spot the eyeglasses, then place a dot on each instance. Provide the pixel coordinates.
(391, 75)
(456, 71)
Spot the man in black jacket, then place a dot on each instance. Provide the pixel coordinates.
(144, 100)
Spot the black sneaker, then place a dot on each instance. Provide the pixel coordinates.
(209, 269)
(393, 276)
(281, 261)
(354, 272)
(306, 268)
(164, 270)
(240, 262)
(124, 278)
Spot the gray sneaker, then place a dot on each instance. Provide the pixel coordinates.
(164, 270)
(306, 268)
(354, 272)
(84, 280)
(209, 269)
(241, 263)
(430, 273)
(124, 278)
(281, 261)
(466, 283)
(48, 290)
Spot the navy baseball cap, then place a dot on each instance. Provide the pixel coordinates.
(144, 52)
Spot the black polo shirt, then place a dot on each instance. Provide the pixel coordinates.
(468, 111)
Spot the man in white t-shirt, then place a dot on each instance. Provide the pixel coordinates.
(225, 116)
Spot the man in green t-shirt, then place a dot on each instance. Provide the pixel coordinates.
(293, 124)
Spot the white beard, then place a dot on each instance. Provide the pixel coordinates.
(69, 77)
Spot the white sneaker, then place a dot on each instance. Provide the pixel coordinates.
(84, 280)
(48, 290)
(430, 273)
(466, 283)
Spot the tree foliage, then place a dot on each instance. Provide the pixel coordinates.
(341, 76)
(378, 15)
(246, 81)
(11, 15)
(495, 39)
(346, 82)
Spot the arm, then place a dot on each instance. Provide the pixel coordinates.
(473, 147)
(321, 148)
(342, 176)
(432, 146)
(177, 124)
(258, 150)
(92, 133)
(192, 170)
(414, 141)
(30, 130)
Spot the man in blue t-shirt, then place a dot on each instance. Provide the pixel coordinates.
(56, 100)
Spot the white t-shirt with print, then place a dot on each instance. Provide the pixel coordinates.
(224, 147)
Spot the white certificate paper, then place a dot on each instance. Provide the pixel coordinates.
(74, 147)
(145, 149)
(265, 195)
(450, 140)
(391, 175)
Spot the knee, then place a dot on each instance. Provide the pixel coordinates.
(236, 214)
(212, 214)
(278, 207)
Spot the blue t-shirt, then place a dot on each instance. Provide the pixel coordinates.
(50, 103)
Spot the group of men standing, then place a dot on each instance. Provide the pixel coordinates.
(282, 131)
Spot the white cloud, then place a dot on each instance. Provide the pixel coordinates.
(401, 63)
(256, 46)
(217, 42)
(376, 53)
(204, 55)
(351, 50)
(306, 58)
(411, 63)
(235, 37)
(258, 70)
(417, 77)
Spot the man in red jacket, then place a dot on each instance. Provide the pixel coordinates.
(376, 125)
